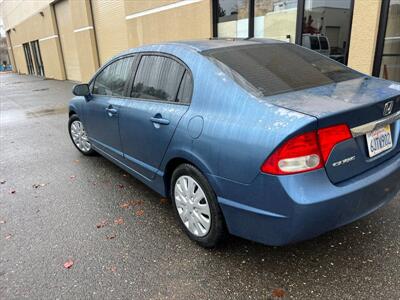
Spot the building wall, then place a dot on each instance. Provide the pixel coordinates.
(87, 33)
(364, 34)
(102, 28)
(42, 28)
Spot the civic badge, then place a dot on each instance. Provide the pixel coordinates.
(387, 110)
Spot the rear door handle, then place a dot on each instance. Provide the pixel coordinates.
(111, 111)
(158, 119)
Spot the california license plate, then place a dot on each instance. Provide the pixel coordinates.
(379, 140)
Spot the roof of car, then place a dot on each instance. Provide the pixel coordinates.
(209, 44)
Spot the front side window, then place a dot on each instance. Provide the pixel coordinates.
(157, 78)
(278, 68)
(113, 78)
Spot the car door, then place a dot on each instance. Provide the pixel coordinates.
(149, 118)
(102, 109)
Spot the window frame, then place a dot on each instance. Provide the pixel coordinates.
(92, 82)
(167, 55)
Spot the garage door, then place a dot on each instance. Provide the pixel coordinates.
(110, 26)
(67, 39)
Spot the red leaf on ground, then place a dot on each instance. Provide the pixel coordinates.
(111, 237)
(139, 212)
(278, 293)
(8, 236)
(113, 269)
(130, 203)
(164, 201)
(119, 221)
(68, 264)
(101, 224)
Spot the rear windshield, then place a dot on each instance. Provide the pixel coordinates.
(324, 43)
(278, 68)
(314, 43)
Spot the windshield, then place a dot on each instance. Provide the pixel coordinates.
(278, 68)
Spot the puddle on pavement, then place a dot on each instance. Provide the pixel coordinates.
(47, 112)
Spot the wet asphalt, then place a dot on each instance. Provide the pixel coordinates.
(53, 199)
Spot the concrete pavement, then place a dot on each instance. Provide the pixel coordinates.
(53, 199)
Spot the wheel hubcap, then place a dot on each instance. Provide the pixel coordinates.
(79, 136)
(192, 205)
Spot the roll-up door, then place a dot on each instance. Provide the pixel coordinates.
(67, 39)
(110, 26)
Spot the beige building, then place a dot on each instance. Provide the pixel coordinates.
(70, 39)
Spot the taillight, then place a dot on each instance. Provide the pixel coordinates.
(330, 136)
(306, 152)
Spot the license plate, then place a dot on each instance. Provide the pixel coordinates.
(379, 140)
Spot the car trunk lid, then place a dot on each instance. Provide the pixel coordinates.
(365, 104)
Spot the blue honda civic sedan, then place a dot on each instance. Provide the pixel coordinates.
(262, 139)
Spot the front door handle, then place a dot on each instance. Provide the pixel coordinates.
(158, 119)
(111, 111)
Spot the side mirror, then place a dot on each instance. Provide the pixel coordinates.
(81, 90)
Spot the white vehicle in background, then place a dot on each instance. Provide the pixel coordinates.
(317, 43)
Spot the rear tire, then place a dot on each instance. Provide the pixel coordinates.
(78, 136)
(196, 207)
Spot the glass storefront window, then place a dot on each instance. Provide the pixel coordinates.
(390, 65)
(233, 18)
(326, 27)
(275, 19)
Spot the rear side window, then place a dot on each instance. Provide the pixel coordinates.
(185, 89)
(278, 68)
(113, 79)
(157, 78)
(324, 43)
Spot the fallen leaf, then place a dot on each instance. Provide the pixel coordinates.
(3, 222)
(111, 237)
(68, 264)
(3, 182)
(164, 201)
(113, 269)
(278, 293)
(13, 191)
(101, 224)
(72, 177)
(139, 212)
(76, 161)
(119, 221)
(8, 236)
(131, 203)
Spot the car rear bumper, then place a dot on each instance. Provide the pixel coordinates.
(280, 210)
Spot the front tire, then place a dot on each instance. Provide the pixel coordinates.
(196, 207)
(79, 137)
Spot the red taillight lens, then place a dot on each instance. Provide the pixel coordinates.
(330, 136)
(305, 152)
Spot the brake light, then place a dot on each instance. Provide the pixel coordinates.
(330, 136)
(306, 152)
